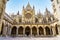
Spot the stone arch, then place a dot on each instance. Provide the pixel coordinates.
(47, 29)
(56, 28)
(41, 31)
(27, 30)
(14, 31)
(20, 30)
(34, 31)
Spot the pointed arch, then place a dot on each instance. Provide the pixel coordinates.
(41, 31)
(27, 30)
(34, 31)
(20, 30)
(47, 30)
(56, 28)
(14, 30)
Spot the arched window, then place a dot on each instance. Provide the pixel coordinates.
(36, 20)
(49, 19)
(20, 20)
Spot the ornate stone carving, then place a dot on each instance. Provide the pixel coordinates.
(28, 15)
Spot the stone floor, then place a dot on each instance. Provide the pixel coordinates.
(30, 38)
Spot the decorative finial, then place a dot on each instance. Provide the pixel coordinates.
(28, 2)
(39, 10)
(28, 5)
(23, 7)
(46, 10)
(33, 7)
(18, 13)
(7, 0)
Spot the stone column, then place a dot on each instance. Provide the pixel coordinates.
(44, 32)
(37, 32)
(59, 30)
(10, 31)
(0, 25)
(4, 28)
(2, 12)
(17, 32)
(24, 31)
(51, 30)
(31, 31)
(4, 31)
(54, 32)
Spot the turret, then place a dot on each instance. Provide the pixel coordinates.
(18, 13)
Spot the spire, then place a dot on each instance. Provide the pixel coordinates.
(39, 11)
(23, 7)
(28, 6)
(7, 0)
(47, 12)
(33, 7)
(18, 13)
(28, 3)
(39, 14)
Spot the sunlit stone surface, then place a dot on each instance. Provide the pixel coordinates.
(30, 38)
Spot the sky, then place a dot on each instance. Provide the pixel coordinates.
(13, 6)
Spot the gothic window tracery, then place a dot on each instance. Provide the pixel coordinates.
(20, 20)
(49, 19)
(28, 15)
(36, 20)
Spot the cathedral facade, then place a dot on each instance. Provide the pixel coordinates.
(30, 24)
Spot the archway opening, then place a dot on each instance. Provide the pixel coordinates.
(27, 31)
(20, 30)
(56, 28)
(47, 30)
(13, 31)
(34, 31)
(2, 28)
(41, 31)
